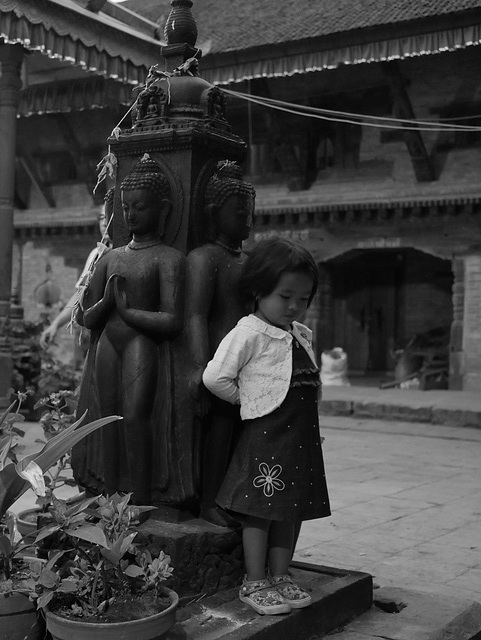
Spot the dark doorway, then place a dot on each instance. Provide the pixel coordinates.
(381, 298)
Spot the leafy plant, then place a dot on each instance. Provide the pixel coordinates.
(97, 562)
(15, 477)
(8, 428)
(55, 376)
(58, 415)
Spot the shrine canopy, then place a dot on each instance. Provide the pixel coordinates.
(80, 41)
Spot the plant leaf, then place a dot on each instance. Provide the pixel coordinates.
(4, 415)
(90, 533)
(134, 571)
(48, 579)
(63, 442)
(5, 546)
(47, 531)
(68, 586)
(53, 558)
(45, 599)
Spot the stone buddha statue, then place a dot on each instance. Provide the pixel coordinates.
(213, 307)
(134, 307)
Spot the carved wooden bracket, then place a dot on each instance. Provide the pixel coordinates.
(402, 106)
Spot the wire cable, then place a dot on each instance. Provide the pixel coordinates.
(353, 118)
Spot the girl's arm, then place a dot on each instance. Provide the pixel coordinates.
(167, 321)
(222, 372)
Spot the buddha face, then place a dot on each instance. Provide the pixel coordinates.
(142, 211)
(234, 219)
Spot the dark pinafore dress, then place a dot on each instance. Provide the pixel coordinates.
(277, 469)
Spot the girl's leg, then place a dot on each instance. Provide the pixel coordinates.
(255, 533)
(256, 590)
(281, 542)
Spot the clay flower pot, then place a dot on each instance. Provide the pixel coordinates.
(152, 628)
(18, 618)
(27, 521)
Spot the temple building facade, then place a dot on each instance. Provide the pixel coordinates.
(363, 126)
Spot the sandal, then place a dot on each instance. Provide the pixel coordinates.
(263, 598)
(296, 597)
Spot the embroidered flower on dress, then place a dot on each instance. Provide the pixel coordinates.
(269, 479)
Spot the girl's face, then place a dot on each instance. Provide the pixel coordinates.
(288, 301)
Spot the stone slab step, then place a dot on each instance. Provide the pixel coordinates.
(338, 597)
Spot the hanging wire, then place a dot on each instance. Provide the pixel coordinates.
(351, 118)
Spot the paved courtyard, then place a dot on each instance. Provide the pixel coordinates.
(406, 505)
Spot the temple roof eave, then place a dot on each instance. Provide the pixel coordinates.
(65, 31)
(293, 214)
(318, 54)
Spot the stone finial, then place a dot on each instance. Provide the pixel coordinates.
(181, 26)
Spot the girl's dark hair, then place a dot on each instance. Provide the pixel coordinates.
(269, 260)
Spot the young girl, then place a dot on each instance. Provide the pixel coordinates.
(276, 475)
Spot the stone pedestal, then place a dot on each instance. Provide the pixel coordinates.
(206, 558)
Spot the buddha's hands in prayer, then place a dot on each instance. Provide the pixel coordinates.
(109, 292)
(120, 293)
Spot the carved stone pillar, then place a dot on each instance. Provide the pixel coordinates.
(10, 83)
(456, 339)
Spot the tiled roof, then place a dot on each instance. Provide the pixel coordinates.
(233, 25)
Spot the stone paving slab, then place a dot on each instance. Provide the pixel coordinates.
(422, 616)
(406, 505)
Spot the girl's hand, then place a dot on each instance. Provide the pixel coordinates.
(199, 394)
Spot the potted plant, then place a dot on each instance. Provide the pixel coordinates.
(15, 479)
(98, 581)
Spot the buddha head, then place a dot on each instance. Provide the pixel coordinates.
(229, 203)
(146, 199)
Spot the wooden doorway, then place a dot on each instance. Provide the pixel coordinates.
(366, 308)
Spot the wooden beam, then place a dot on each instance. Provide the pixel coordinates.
(403, 109)
(74, 147)
(282, 144)
(30, 170)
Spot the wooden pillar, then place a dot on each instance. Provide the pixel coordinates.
(472, 323)
(11, 57)
(456, 363)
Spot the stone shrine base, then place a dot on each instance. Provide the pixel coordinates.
(338, 596)
(208, 569)
(205, 558)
